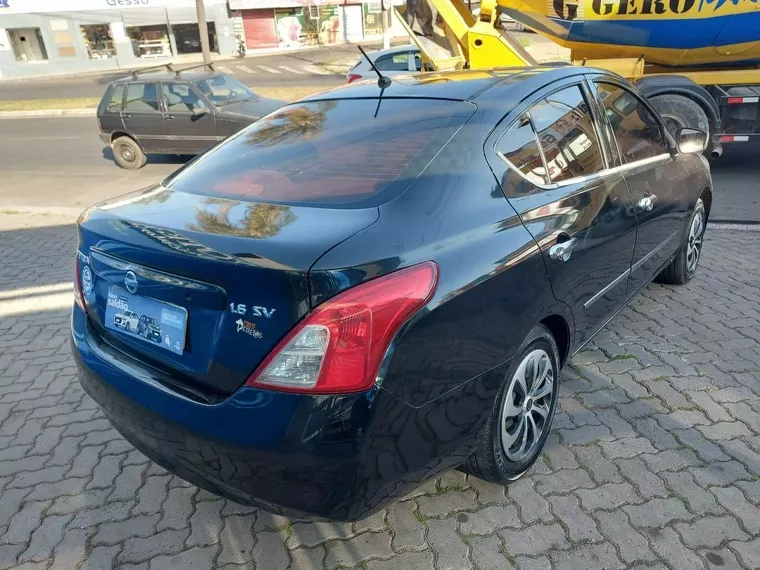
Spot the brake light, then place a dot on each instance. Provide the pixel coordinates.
(78, 291)
(353, 77)
(339, 347)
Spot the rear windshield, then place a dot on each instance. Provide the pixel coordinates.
(327, 152)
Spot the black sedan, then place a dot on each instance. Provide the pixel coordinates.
(370, 286)
(175, 113)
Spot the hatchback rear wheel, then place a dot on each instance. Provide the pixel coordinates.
(128, 153)
(522, 414)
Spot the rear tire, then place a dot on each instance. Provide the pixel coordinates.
(522, 413)
(128, 153)
(683, 267)
(679, 111)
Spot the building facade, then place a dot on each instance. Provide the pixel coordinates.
(40, 37)
(301, 23)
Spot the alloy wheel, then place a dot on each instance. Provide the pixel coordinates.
(526, 409)
(694, 245)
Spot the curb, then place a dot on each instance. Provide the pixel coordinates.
(49, 113)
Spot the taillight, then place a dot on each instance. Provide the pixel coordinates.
(353, 77)
(339, 347)
(79, 298)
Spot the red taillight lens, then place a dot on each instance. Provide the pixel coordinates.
(353, 77)
(339, 347)
(79, 298)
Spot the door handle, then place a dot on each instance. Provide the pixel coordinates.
(126, 116)
(168, 117)
(562, 251)
(647, 203)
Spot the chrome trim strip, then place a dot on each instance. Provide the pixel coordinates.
(603, 292)
(581, 179)
(649, 255)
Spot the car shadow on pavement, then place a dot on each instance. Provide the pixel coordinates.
(178, 159)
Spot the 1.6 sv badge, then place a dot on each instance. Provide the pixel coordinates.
(256, 311)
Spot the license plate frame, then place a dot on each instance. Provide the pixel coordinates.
(154, 322)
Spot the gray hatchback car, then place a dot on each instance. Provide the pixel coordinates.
(175, 113)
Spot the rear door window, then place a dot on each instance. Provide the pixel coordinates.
(394, 62)
(638, 133)
(567, 134)
(519, 146)
(142, 98)
(328, 152)
(117, 96)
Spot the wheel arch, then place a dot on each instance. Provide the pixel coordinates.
(706, 196)
(678, 85)
(560, 328)
(119, 134)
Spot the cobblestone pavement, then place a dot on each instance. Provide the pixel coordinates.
(654, 461)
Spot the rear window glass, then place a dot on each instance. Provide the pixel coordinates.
(327, 152)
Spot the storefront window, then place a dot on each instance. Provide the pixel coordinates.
(99, 41)
(310, 25)
(150, 41)
(373, 19)
(28, 45)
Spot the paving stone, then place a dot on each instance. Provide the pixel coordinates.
(742, 453)
(589, 557)
(375, 522)
(605, 398)
(651, 430)
(372, 545)
(733, 499)
(744, 413)
(540, 563)
(489, 519)
(534, 540)
(45, 537)
(116, 532)
(719, 473)
(533, 507)
(9, 553)
(562, 482)
(486, 553)
(405, 561)
(558, 455)
(151, 495)
(193, 559)
(719, 559)
(631, 545)
(68, 486)
(270, 551)
(710, 531)
(647, 483)
(177, 508)
(101, 558)
(487, 493)
(749, 552)
(627, 447)
(602, 469)
(314, 558)
(671, 397)
(668, 545)
(609, 496)
(706, 450)
(93, 515)
(24, 522)
(619, 427)
(682, 419)
(630, 386)
(579, 525)
(724, 430)
(205, 524)
(641, 408)
(751, 489)
(657, 513)
(105, 471)
(311, 534)
(697, 499)
(408, 532)
(734, 394)
(447, 503)
(714, 412)
(671, 460)
(237, 539)
(140, 549)
(585, 434)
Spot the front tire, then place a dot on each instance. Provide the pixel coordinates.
(522, 414)
(128, 153)
(683, 267)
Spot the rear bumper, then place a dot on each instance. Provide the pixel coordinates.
(105, 138)
(334, 457)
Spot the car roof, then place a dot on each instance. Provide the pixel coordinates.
(379, 53)
(465, 85)
(170, 76)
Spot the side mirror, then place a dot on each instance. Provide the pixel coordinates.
(691, 140)
(200, 112)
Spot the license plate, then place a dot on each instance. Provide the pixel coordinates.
(152, 321)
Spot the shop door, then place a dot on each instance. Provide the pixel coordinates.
(27, 44)
(352, 23)
(259, 29)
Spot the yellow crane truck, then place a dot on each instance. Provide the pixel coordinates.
(698, 61)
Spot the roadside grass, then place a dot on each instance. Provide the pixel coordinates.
(284, 93)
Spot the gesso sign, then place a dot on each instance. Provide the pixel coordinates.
(668, 8)
(128, 2)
